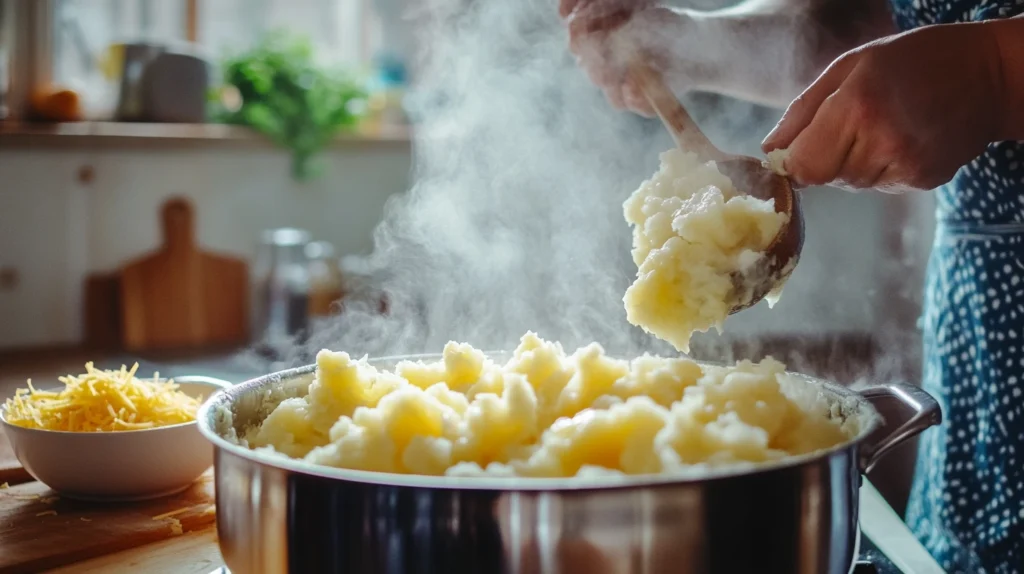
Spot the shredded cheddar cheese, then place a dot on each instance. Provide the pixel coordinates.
(171, 513)
(176, 528)
(102, 400)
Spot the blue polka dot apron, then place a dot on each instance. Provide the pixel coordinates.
(967, 500)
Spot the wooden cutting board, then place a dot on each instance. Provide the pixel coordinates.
(39, 530)
(181, 297)
(101, 311)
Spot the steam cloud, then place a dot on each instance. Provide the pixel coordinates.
(514, 221)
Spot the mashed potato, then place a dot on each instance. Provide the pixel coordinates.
(546, 414)
(776, 161)
(692, 231)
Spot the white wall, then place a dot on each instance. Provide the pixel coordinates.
(54, 230)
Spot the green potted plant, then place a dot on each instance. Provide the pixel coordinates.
(278, 90)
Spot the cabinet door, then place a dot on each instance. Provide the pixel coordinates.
(43, 248)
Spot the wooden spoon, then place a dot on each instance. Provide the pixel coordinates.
(749, 175)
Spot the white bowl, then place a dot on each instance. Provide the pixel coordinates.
(118, 466)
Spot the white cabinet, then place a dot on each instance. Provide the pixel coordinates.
(43, 248)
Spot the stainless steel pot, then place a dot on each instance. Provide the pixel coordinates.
(797, 516)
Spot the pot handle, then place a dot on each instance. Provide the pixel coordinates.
(924, 413)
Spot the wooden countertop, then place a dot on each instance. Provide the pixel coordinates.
(42, 531)
(190, 553)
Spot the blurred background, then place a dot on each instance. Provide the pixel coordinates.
(156, 153)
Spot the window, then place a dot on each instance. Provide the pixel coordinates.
(338, 28)
(342, 31)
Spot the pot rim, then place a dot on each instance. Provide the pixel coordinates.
(208, 413)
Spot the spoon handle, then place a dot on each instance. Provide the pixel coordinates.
(675, 117)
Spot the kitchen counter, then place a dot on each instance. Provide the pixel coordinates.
(880, 524)
(190, 553)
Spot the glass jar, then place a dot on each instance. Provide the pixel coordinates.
(325, 281)
(282, 285)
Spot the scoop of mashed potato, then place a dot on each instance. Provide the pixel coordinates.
(545, 413)
(692, 230)
(776, 161)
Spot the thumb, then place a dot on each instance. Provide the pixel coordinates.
(801, 111)
(592, 18)
(565, 7)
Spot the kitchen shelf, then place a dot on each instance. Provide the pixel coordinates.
(22, 135)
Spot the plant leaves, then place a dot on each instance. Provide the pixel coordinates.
(289, 99)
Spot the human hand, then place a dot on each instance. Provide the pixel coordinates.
(901, 113)
(567, 7)
(606, 35)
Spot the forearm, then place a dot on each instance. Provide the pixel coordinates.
(768, 51)
(1009, 37)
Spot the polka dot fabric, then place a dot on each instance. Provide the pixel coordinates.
(967, 501)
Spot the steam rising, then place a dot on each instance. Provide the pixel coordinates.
(514, 221)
